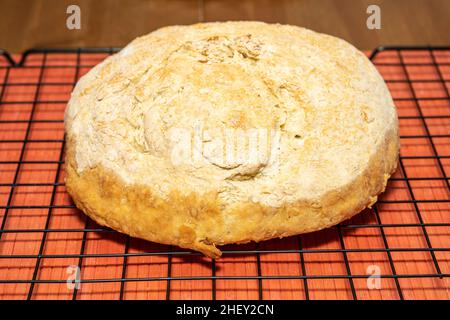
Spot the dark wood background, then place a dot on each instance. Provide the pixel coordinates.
(42, 23)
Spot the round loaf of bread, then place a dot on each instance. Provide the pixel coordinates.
(220, 133)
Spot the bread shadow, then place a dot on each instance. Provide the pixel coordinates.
(145, 252)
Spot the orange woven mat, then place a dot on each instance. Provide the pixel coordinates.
(45, 240)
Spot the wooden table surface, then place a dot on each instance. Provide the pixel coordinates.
(42, 23)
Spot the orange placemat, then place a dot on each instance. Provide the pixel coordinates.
(44, 239)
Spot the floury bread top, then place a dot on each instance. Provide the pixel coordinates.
(268, 113)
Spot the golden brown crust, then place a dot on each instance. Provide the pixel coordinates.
(196, 221)
(329, 139)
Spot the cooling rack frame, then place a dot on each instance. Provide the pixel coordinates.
(170, 253)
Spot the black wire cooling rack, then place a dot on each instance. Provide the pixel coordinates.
(406, 235)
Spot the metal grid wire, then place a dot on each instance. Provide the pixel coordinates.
(405, 236)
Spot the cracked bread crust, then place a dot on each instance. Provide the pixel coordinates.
(337, 122)
(196, 221)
